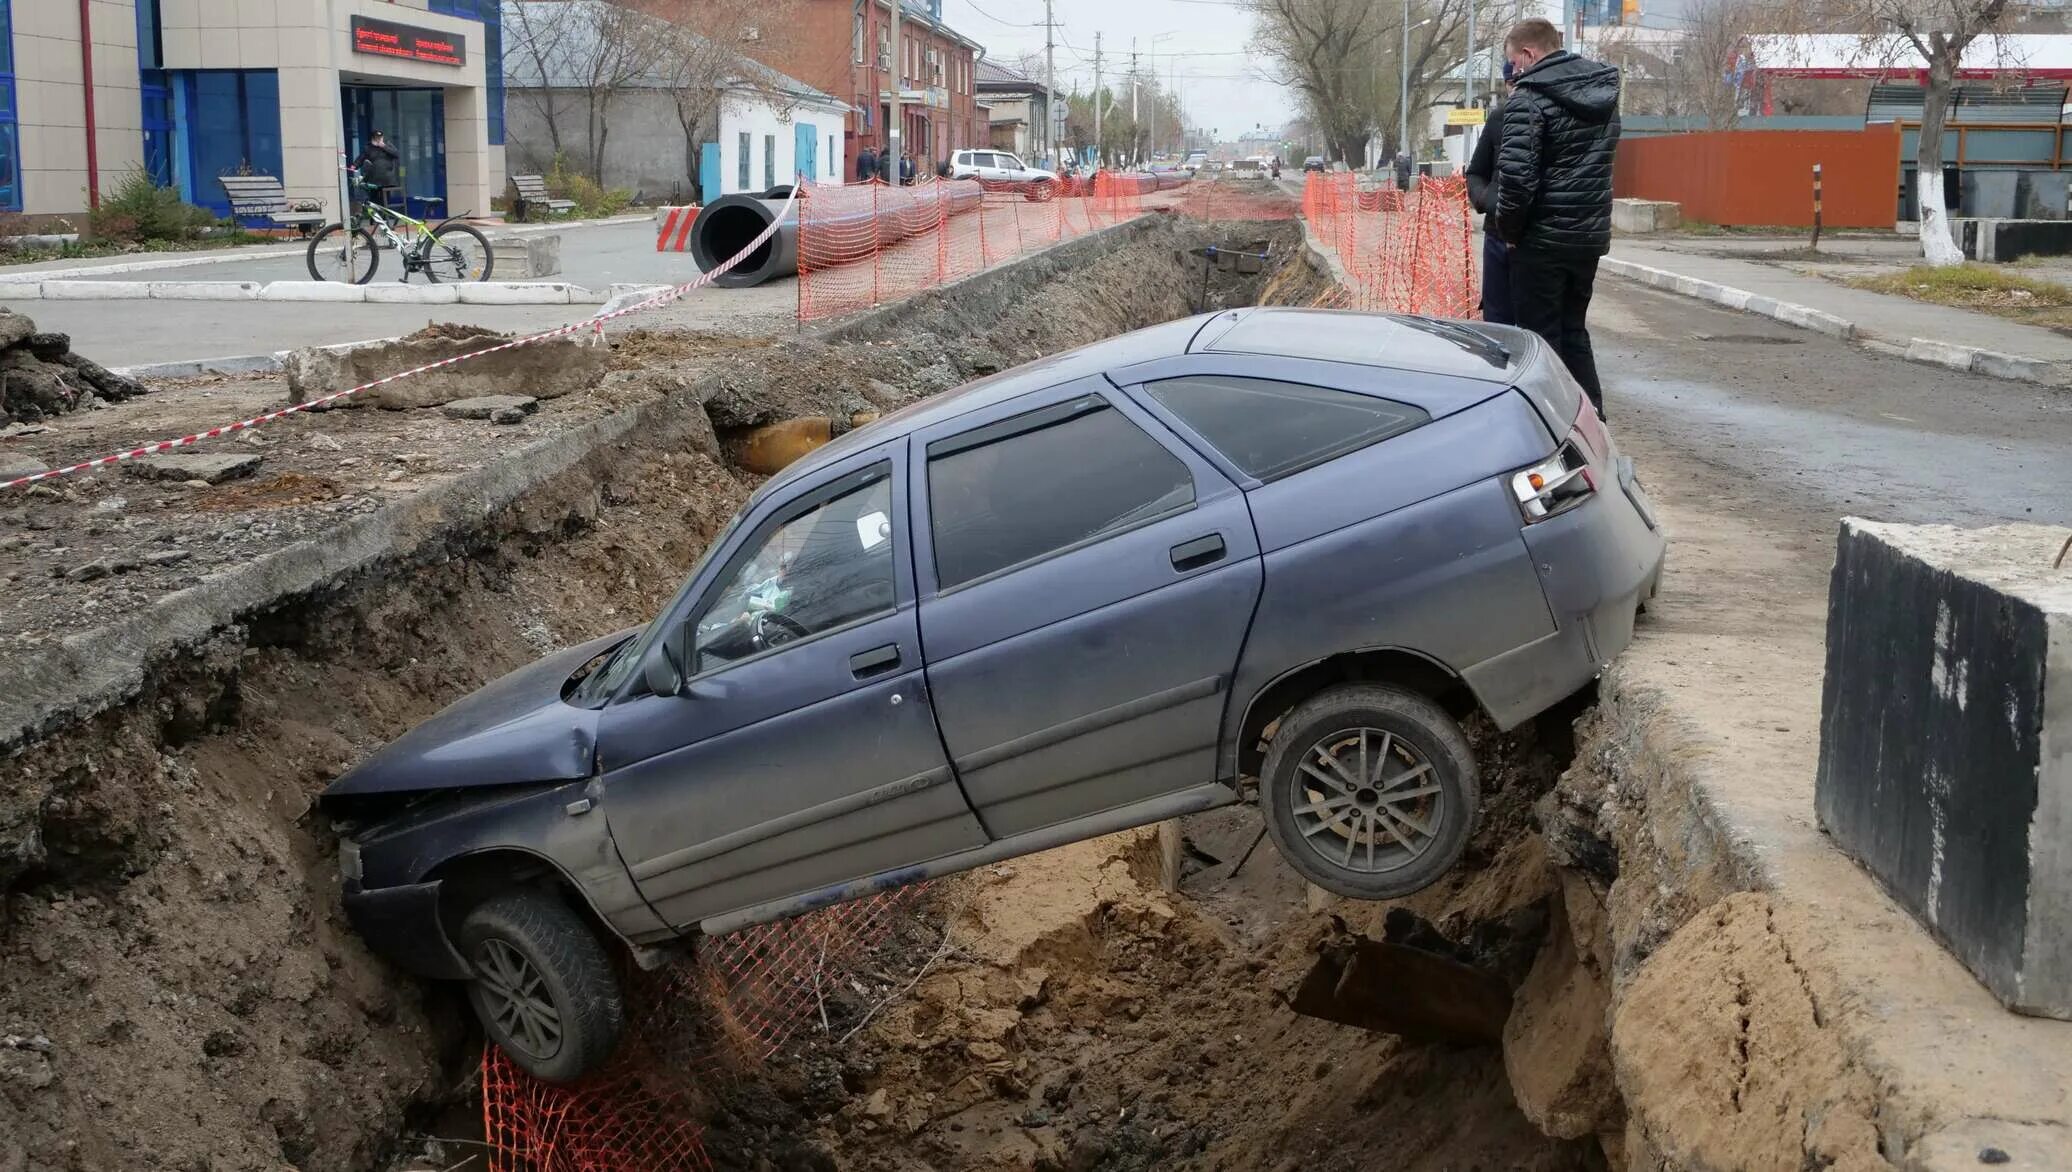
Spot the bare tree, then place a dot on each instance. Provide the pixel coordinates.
(1688, 72)
(583, 54)
(709, 47)
(1939, 31)
(1345, 60)
(534, 33)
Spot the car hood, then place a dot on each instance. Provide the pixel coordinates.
(517, 729)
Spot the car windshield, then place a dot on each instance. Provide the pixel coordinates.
(613, 673)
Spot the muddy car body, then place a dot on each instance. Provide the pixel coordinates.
(1280, 548)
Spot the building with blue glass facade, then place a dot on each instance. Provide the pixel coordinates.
(192, 90)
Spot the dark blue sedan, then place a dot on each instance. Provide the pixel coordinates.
(1271, 552)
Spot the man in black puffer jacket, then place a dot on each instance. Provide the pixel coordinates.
(1554, 189)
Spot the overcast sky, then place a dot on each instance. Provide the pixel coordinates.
(1201, 48)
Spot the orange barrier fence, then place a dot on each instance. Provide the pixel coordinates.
(864, 244)
(1401, 251)
(690, 1030)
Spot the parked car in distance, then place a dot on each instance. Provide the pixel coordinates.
(1001, 165)
(1275, 553)
(1194, 160)
(1313, 163)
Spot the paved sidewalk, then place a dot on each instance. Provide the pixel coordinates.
(1878, 317)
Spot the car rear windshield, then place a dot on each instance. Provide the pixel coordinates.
(1271, 429)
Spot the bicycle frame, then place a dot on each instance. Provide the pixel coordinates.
(414, 246)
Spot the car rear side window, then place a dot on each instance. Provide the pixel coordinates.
(1029, 486)
(1271, 429)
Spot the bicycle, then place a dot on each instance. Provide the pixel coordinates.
(450, 251)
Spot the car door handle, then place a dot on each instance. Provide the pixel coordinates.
(1202, 551)
(877, 659)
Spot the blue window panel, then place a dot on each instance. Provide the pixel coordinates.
(491, 14)
(10, 142)
(150, 47)
(234, 127)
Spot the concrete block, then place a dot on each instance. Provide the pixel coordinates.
(21, 290)
(1734, 298)
(1936, 353)
(399, 294)
(1815, 320)
(529, 257)
(2014, 366)
(1646, 215)
(96, 290)
(1946, 741)
(313, 291)
(205, 290)
(188, 466)
(514, 293)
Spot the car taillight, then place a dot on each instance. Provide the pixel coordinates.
(1555, 485)
(1589, 427)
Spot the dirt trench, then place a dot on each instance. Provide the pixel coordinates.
(178, 990)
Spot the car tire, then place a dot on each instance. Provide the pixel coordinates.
(543, 988)
(1353, 839)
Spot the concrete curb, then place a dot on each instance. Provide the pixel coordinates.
(1928, 351)
(474, 293)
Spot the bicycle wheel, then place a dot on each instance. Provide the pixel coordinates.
(459, 253)
(327, 256)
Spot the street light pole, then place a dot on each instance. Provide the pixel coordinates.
(1403, 105)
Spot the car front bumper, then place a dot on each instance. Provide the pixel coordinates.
(402, 926)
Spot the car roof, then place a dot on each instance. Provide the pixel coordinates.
(1421, 345)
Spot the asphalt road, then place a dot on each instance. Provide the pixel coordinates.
(1820, 428)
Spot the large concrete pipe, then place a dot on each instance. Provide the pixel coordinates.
(728, 224)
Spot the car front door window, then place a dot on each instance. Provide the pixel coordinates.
(825, 566)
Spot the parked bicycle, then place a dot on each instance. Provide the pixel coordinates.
(448, 251)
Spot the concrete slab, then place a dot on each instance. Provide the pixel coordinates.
(379, 294)
(1940, 353)
(204, 290)
(1946, 741)
(96, 290)
(520, 293)
(324, 291)
(211, 469)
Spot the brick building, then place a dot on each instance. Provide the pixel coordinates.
(845, 48)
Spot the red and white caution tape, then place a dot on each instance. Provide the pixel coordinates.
(595, 323)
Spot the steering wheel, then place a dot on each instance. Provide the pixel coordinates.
(774, 630)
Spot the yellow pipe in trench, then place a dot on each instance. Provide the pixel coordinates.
(768, 449)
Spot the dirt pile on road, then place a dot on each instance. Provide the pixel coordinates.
(172, 957)
(41, 377)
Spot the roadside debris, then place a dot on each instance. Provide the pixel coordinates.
(40, 376)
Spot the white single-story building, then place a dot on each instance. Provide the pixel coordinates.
(768, 127)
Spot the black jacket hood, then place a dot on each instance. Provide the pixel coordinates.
(1587, 89)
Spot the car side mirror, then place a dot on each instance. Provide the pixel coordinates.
(664, 668)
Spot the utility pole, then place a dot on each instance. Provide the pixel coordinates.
(1467, 73)
(898, 81)
(1403, 69)
(1099, 144)
(1135, 118)
(1050, 87)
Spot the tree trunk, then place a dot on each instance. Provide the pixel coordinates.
(1937, 246)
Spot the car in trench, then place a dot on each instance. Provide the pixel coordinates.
(1267, 554)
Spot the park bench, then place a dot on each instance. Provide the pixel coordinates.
(532, 191)
(261, 197)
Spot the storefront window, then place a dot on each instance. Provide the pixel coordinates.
(234, 128)
(157, 96)
(10, 158)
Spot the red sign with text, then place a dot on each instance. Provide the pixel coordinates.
(384, 38)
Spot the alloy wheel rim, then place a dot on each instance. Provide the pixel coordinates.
(515, 995)
(1368, 801)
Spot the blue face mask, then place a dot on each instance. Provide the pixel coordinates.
(1509, 70)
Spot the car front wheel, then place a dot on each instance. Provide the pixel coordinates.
(543, 986)
(1369, 791)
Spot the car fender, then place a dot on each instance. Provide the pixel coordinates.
(1243, 704)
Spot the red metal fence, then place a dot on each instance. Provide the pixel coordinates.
(1765, 177)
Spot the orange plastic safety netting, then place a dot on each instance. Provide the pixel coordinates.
(1401, 251)
(690, 1029)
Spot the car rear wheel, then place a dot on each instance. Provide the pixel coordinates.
(543, 987)
(1369, 791)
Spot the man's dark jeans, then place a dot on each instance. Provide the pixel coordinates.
(1550, 295)
(1496, 282)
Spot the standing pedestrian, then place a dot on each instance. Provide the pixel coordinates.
(906, 168)
(377, 166)
(1554, 189)
(1496, 255)
(1402, 170)
(866, 165)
